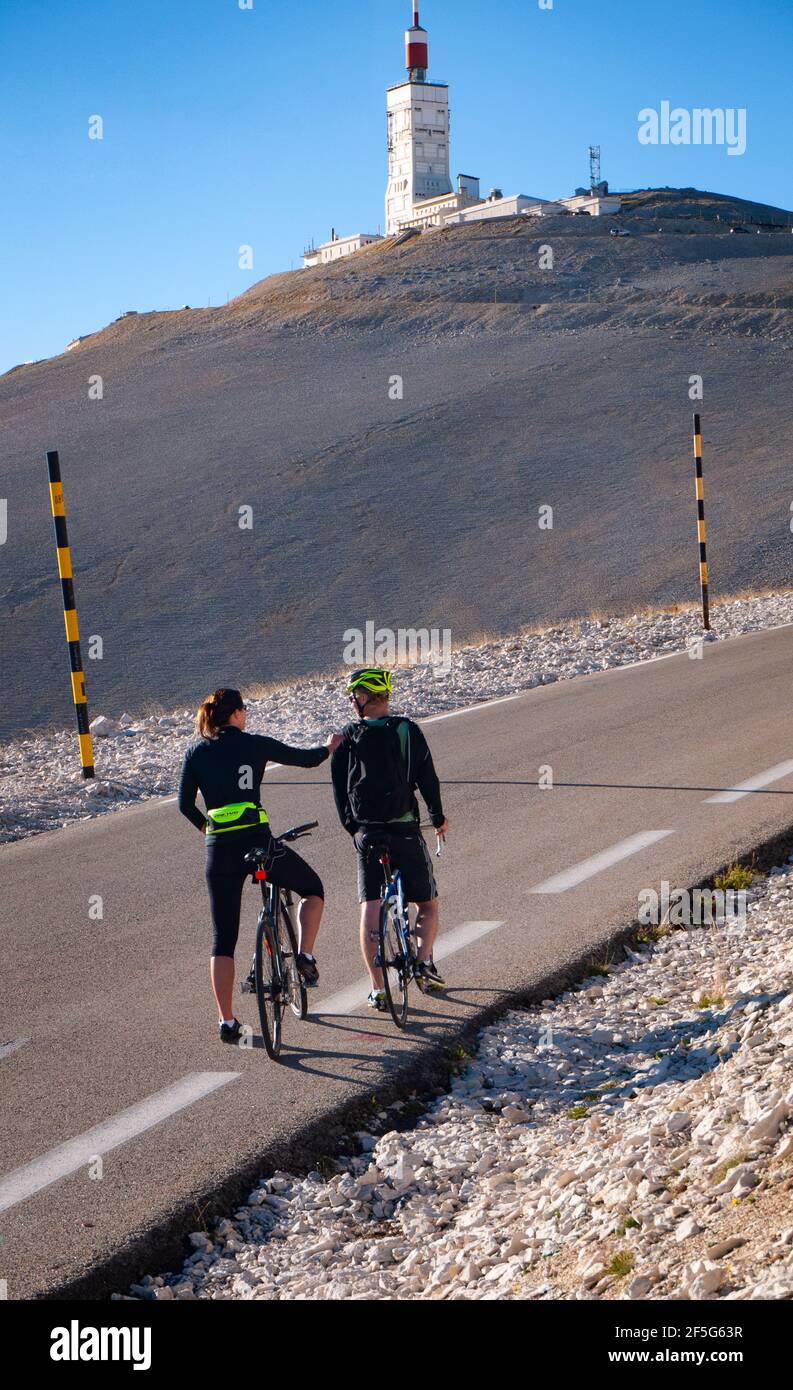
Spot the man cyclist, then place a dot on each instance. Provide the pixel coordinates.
(376, 769)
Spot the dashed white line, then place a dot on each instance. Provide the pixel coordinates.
(570, 878)
(455, 940)
(7, 1048)
(752, 784)
(346, 1000)
(67, 1158)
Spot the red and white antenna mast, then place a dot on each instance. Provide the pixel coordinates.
(416, 48)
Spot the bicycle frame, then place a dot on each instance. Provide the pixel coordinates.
(269, 892)
(275, 937)
(393, 887)
(275, 941)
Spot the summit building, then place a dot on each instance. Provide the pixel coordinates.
(419, 191)
(420, 194)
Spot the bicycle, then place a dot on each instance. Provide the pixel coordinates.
(396, 955)
(274, 973)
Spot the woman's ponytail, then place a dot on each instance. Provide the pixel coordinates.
(216, 710)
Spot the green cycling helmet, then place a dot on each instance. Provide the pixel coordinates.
(371, 678)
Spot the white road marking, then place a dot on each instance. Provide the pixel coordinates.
(504, 699)
(7, 1048)
(469, 709)
(562, 680)
(570, 878)
(67, 1158)
(452, 941)
(347, 1000)
(752, 784)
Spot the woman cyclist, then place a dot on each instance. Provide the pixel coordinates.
(226, 766)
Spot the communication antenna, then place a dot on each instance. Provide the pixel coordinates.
(416, 48)
(594, 166)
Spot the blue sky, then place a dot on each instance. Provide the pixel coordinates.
(266, 127)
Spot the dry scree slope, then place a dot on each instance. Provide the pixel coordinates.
(521, 387)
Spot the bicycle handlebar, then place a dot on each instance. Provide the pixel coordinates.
(298, 830)
(259, 857)
(427, 825)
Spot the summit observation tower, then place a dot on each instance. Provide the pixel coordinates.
(418, 133)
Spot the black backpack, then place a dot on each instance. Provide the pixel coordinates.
(377, 781)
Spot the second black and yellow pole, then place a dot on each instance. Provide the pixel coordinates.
(70, 612)
(703, 554)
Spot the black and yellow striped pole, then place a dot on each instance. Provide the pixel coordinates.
(70, 612)
(703, 554)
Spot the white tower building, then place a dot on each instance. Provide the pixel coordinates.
(418, 134)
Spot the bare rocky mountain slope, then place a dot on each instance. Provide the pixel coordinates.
(522, 387)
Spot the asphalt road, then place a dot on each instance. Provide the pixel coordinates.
(100, 1016)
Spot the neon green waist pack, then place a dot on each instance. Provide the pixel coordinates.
(239, 815)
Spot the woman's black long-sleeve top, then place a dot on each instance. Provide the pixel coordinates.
(230, 767)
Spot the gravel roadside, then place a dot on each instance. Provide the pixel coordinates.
(629, 1139)
(41, 786)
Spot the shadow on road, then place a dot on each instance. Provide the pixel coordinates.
(596, 786)
(424, 1029)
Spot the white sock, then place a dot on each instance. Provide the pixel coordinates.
(230, 1021)
(306, 955)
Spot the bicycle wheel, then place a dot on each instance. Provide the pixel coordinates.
(294, 987)
(394, 965)
(269, 990)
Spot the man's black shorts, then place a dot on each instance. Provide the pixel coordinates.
(409, 853)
